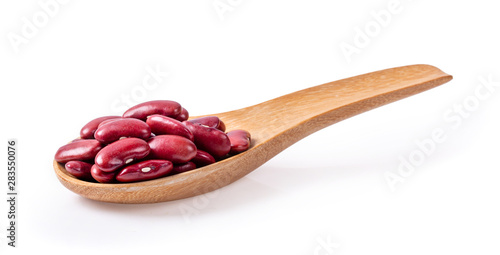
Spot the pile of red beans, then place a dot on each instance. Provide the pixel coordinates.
(151, 140)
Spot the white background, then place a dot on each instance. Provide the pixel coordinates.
(328, 193)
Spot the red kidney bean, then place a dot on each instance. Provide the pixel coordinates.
(79, 169)
(211, 121)
(209, 139)
(174, 148)
(124, 127)
(183, 116)
(162, 125)
(145, 170)
(101, 176)
(120, 153)
(82, 150)
(87, 132)
(202, 158)
(163, 107)
(150, 140)
(184, 167)
(240, 140)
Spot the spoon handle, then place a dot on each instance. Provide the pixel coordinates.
(306, 111)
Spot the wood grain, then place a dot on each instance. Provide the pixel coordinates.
(274, 125)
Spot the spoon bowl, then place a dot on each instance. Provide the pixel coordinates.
(274, 125)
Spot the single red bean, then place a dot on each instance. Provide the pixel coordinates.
(145, 170)
(82, 150)
(162, 125)
(202, 158)
(163, 107)
(240, 140)
(87, 132)
(211, 121)
(120, 153)
(183, 116)
(184, 167)
(79, 169)
(209, 139)
(119, 128)
(101, 176)
(174, 148)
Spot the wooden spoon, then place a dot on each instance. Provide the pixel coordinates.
(274, 125)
